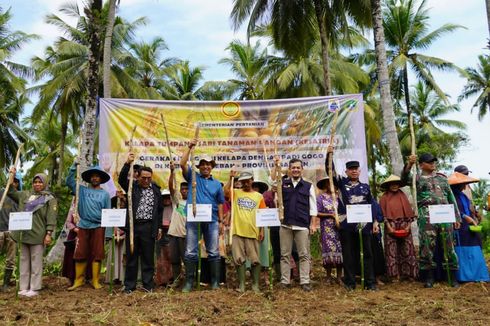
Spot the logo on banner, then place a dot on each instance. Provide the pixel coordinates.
(334, 106)
(230, 109)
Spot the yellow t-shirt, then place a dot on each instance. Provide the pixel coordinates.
(245, 205)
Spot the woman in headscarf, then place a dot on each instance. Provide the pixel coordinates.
(44, 209)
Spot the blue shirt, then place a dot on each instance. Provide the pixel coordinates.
(90, 203)
(208, 191)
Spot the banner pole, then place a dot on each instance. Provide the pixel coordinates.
(130, 196)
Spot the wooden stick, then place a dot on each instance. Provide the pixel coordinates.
(194, 183)
(361, 247)
(130, 196)
(330, 170)
(175, 200)
(414, 167)
(118, 188)
(76, 215)
(11, 175)
(232, 185)
(278, 179)
(266, 159)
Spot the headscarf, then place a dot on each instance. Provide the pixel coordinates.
(44, 179)
(395, 205)
(35, 202)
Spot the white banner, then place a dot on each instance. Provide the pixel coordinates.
(113, 218)
(441, 214)
(20, 221)
(203, 213)
(267, 217)
(359, 213)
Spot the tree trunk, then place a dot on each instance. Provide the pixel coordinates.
(90, 122)
(61, 163)
(106, 64)
(487, 2)
(324, 42)
(384, 88)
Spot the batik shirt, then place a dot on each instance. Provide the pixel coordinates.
(145, 207)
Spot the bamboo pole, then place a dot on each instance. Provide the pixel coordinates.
(232, 192)
(361, 246)
(175, 200)
(414, 167)
(278, 179)
(194, 183)
(76, 215)
(17, 272)
(11, 176)
(330, 170)
(130, 196)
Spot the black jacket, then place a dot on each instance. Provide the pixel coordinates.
(137, 190)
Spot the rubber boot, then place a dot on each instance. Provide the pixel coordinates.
(190, 272)
(454, 280)
(215, 267)
(429, 279)
(176, 269)
(277, 272)
(80, 268)
(95, 275)
(255, 278)
(241, 277)
(6, 278)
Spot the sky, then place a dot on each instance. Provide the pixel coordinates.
(200, 30)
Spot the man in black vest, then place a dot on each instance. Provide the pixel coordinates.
(147, 218)
(299, 202)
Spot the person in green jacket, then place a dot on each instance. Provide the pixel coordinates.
(44, 208)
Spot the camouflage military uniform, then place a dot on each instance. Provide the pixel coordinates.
(433, 189)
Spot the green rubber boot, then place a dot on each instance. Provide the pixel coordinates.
(215, 267)
(241, 277)
(255, 277)
(190, 272)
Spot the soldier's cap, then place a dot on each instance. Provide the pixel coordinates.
(462, 169)
(352, 164)
(207, 158)
(427, 158)
(245, 175)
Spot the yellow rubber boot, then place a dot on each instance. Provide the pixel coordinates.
(80, 268)
(96, 275)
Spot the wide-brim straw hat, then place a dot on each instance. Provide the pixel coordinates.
(322, 183)
(95, 169)
(459, 178)
(391, 179)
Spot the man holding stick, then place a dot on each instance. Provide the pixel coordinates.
(90, 234)
(354, 192)
(208, 191)
(433, 189)
(148, 207)
(300, 211)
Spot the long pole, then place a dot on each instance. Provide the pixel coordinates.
(278, 179)
(446, 260)
(361, 246)
(17, 272)
(76, 216)
(194, 209)
(169, 155)
(130, 196)
(414, 167)
(232, 192)
(11, 176)
(330, 169)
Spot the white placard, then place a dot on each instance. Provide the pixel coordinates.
(20, 221)
(204, 213)
(113, 218)
(267, 217)
(359, 213)
(441, 214)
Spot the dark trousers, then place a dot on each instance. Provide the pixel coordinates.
(177, 250)
(144, 251)
(351, 256)
(276, 244)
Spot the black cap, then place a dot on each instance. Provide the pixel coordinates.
(427, 158)
(462, 169)
(352, 164)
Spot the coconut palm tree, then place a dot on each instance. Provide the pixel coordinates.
(478, 84)
(106, 61)
(182, 82)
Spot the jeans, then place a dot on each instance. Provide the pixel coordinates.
(210, 233)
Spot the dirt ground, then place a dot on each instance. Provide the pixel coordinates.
(394, 304)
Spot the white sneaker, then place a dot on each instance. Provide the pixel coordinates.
(31, 293)
(23, 292)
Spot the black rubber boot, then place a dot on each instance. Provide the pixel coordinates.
(429, 279)
(6, 278)
(190, 272)
(215, 268)
(454, 280)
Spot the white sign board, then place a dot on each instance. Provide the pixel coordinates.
(441, 214)
(20, 221)
(267, 217)
(359, 213)
(113, 218)
(204, 213)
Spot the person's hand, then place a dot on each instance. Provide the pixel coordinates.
(172, 166)
(312, 229)
(193, 142)
(160, 234)
(376, 227)
(329, 149)
(412, 159)
(233, 172)
(277, 159)
(457, 225)
(130, 158)
(76, 230)
(261, 234)
(47, 239)
(13, 170)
